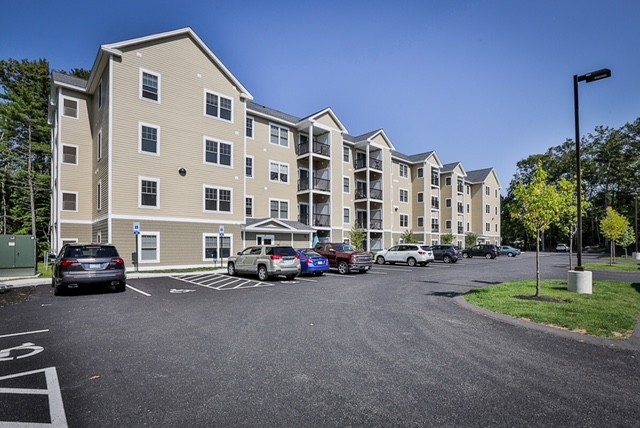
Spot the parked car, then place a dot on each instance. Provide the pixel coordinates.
(345, 257)
(312, 262)
(445, 252)
(509, 251)
(562, 248)
(411, 254)
(88, 264)
(266, 261)
(488, 251)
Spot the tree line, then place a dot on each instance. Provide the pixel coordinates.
(610, 160)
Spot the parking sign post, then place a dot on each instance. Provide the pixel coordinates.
(136, 233)
(220, 236)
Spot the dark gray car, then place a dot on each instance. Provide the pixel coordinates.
(444, 252)
(88, 264)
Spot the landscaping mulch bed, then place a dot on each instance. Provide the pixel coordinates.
(14, 296)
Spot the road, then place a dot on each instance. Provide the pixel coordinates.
(388, 348)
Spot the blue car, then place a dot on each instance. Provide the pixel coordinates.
(312, 263)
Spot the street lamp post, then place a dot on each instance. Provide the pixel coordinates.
(589, 77)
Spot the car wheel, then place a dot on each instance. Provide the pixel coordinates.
(121, 287)
(411, 261)
(59, 290)
(465, 255)
(231, 269)
(488, 256)
(447, 259)
(263, 275)
(380, 260)
(510, 254)
(343, 267)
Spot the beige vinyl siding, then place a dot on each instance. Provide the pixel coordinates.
(81, 232)
(100, 125)
(77, 132)
(182, 128)
(101, 227)
(180, 243)
(328, 122)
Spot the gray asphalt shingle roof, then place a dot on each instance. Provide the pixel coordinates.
(69, 80)
(479, 175)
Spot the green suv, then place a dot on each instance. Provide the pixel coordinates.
(266, 261)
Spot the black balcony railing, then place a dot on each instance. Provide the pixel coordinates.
(435, 180)
(435, 228)
(435, 205)
(303, 218)
(321, 148)
(321, 184)
(361, 194)
(321, 220)
(461, 230)
(303, 184)
(375, 224)
(361, 163)
(376, 194)
(303, 148)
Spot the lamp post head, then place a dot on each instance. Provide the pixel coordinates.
(595, 75)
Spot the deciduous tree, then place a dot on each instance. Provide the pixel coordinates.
(613, 227)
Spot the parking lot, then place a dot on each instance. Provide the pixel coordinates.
(387, 348)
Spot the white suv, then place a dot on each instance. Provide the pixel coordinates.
(411, 254)
(265, 261)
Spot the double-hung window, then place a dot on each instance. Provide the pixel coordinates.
(248, 162)
(404, 195)
(217, 200)
(249, 127)
(278, 172)
(404, 220)
(279, 209)
(149, 139)
(69, 201)
(279, 136)
(248, 206)
(217, 106)
(404, 170)
(149, 86)
(70, 154)
(149, 189)
(346, 185)
(150, 247)
(217, 152)
(70, 108)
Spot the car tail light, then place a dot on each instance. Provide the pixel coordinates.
(308, 261)
(276, 257)
(422, 253)
(297, 256)
(68, 262)
(117, 261)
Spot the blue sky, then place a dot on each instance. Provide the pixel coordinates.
(487, 83)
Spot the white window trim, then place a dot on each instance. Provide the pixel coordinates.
(77, 116)
(253, 206)
(279, 164)
(99, 237)
(219, 141)
(77, 153)
(420, 218)
(418, 195)
(253, 166)
(406, 216)
(280, 200)
(99, 144)
(219, 95)
(100, 94)
(139, 237)
(99, 191)
(349, 210)
(349, 153)
(62, 201)
(420, 172)
(349, 181)
(215, 235)
(204, 202)
(406, 192)
(405, 167)
(159, 76)
(157, 180)
(253, 128)
(148, 125)
(281, 128)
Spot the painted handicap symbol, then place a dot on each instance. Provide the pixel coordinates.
(5, 354)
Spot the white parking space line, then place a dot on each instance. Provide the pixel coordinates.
(378, 273)
(306, 279)
(139, 291)
(24, 333)
(215, 280)
(393, 268)
(340, 275)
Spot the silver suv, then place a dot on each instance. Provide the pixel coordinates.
(266, 261)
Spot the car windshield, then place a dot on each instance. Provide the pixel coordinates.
(345, 247)
(93, 252)
(426, 247)
(310, 253)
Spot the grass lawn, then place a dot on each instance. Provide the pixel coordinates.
(620, 265)
(611, 311)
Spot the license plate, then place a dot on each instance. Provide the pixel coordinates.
(320, 262)
(94, 265)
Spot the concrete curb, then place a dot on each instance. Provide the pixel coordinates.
(631, 344)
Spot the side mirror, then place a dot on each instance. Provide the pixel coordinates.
(239, 253)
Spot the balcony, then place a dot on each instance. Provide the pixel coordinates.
(303, 218)
(319, 148)
(435, 228)
(374, 163)
(435, 205)
(321, 184)
(322, 220)
(460, 230)
(376, 194)
(435, 180)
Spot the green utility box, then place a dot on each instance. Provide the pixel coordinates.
(17, 255)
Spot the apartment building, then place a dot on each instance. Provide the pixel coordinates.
(163, 152)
